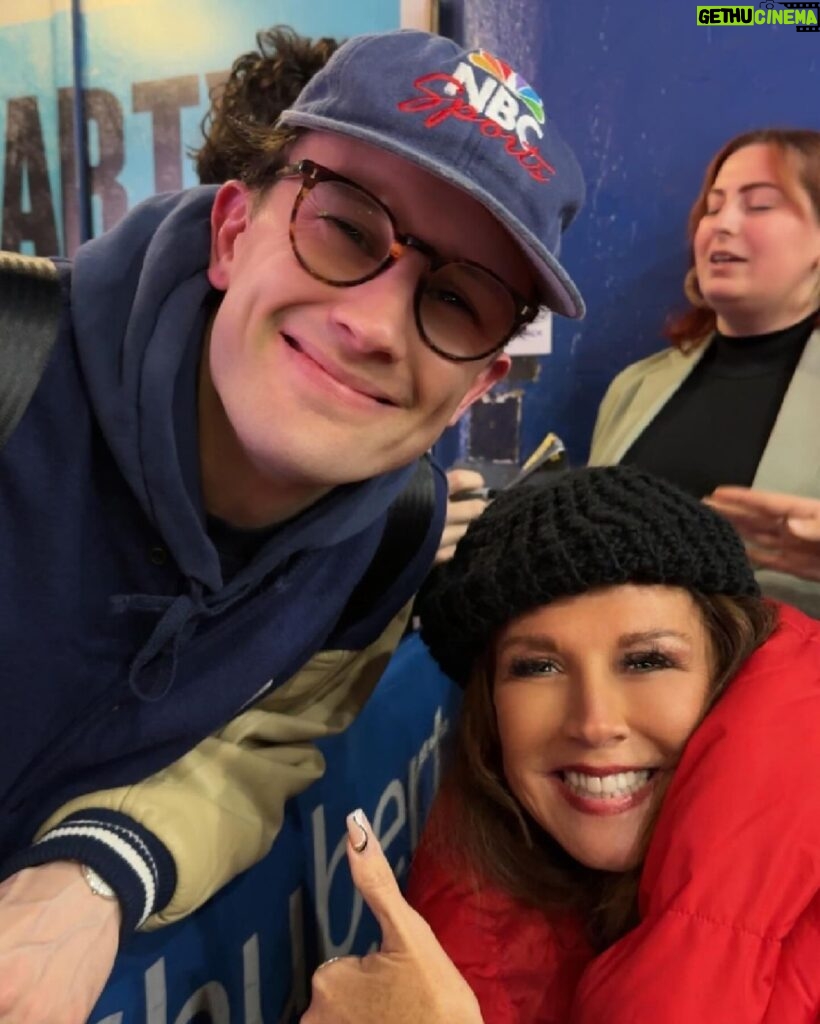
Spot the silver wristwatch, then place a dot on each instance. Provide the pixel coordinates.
(97, 884)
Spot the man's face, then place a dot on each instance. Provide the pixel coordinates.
(324, 385)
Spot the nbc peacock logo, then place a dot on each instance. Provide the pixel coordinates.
(488, 94)
(511, 80)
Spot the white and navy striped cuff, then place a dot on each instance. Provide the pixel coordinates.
(132, 860)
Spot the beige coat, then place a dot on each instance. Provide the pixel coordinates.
(790, 461)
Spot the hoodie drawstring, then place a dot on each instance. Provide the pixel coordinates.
(154, 667)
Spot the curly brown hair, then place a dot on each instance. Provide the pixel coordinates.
(244, 109)
(798, 160)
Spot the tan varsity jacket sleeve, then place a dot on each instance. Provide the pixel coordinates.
(219, 808)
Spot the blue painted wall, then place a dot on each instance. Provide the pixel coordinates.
(642, 92)
(645, 96)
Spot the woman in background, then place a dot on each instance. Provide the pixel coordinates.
(734, 400)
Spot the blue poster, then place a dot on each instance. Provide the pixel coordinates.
(147, 70)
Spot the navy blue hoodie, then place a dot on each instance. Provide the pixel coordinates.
(122, 645)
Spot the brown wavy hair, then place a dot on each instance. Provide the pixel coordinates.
(244, 109)
(797, 152)
(482, 830)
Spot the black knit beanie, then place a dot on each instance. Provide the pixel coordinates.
(586, 528)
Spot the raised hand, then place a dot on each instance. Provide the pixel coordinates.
(411, 980)
(781, 531)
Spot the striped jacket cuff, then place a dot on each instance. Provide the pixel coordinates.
(132, 860)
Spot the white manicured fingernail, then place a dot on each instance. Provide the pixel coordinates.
(358, 830)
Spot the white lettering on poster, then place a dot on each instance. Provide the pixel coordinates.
(497, 103)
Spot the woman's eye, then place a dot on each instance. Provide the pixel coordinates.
(761, 199)
(523, 668)
(648, 661)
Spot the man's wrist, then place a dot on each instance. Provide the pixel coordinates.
(129, 858)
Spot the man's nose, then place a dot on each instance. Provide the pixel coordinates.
(378, 317)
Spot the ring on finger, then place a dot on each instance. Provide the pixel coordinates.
(331, 960)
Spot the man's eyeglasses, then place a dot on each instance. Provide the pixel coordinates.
(342, 235)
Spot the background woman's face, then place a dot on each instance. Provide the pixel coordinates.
(757, 251)
(595, 697)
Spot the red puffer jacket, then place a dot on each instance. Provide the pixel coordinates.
(730, 894)
(522, 968)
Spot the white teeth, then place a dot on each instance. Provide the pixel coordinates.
(618, 785)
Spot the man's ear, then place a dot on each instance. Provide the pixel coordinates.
(229, 218)
(489, 376)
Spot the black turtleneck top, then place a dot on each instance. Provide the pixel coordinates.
(714, 428)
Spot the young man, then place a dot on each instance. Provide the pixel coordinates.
(244, 381)
(262, 84)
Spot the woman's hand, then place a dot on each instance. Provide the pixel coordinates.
(411, 980)
(781, 531)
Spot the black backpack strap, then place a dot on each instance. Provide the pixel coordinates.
(30, 301)
(408, 522)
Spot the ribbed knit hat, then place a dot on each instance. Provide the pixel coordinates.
(587, 528)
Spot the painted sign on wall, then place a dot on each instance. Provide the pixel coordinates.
(147, 70)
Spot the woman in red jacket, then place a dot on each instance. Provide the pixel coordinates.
(619, 609)
(624, 691)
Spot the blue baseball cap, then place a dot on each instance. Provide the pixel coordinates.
(467, 117)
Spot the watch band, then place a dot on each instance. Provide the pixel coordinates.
(97, 884)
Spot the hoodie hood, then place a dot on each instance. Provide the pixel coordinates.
(139, 333)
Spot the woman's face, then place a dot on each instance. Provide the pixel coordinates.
(757, 251)
(595, 697)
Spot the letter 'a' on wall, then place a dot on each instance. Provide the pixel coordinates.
(148, 67)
